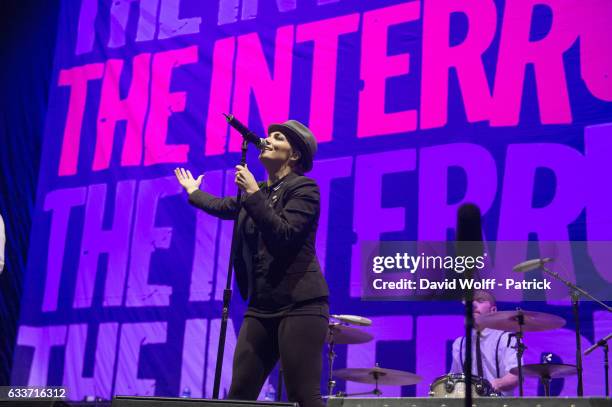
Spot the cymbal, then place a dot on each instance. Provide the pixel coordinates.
(353, 319)
(342, 334)
(546, 370)
(508, 321)
(378, 375)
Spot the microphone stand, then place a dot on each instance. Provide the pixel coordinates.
(605, 349)
(575, 293)
(469, 327)
(227, 293)
(603, 343)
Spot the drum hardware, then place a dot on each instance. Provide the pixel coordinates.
(575, 294)
(346, 335)
(520, 348)
(353, 320)
(454, 386)
(532, 321)
(376, 376)
(546, 372)
(604, 345)
(520, 321)
(331, 356)
(341, 333)
(375, 392)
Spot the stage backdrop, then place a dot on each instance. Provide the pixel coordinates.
(418, 107)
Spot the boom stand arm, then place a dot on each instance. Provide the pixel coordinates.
(575, 293)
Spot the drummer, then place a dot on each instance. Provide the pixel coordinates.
(496, 357)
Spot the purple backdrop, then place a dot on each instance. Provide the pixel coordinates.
(418, 107)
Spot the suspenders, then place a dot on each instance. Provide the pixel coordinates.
(496, 354)
(461, 353)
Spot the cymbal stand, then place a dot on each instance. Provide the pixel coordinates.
(520, 348)
(546, 383)
(376, 391)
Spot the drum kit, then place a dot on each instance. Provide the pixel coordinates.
(516, 322)
(342, 330)
(341, 333)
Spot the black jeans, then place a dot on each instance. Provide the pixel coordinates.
(297, 339)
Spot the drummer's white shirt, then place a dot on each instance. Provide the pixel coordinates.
(488, 345)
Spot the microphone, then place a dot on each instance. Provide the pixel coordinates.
(353, 319)
(247, 134)
(468, 236)
(531, 264)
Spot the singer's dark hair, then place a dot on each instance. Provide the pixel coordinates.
(296, 166)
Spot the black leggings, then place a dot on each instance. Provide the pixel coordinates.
(298, 339)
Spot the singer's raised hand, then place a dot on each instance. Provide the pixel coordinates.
(186, 180)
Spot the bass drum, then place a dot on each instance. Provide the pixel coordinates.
(453, 386)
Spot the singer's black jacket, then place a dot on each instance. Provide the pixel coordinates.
(274, 258)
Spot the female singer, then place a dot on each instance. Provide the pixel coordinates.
(276, 266)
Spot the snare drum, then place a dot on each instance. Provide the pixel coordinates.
(453, 386)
